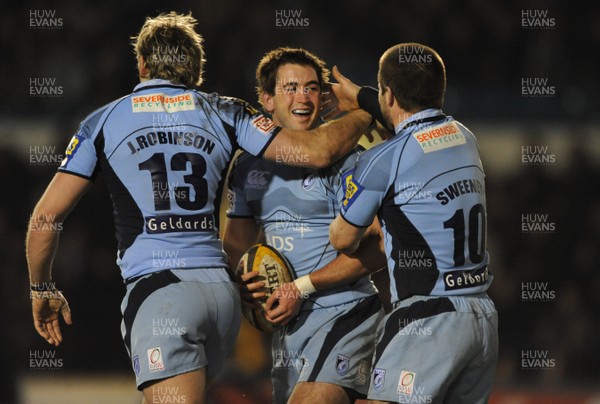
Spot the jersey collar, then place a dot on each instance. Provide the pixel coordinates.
(427, 115)
(157, 83)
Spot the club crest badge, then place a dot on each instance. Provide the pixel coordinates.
(342, 364)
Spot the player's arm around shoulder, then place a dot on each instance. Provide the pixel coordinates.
(61, 196)
(322, 146)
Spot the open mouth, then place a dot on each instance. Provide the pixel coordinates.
(302, 112)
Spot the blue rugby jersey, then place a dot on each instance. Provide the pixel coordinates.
(295, 206)
(164, 151)
(427, 187)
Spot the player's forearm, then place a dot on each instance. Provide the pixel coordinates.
(234, 253)
(344, 269)
(41, 243)
(239, 236)
(333, 140)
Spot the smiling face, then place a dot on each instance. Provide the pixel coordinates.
(297, 99)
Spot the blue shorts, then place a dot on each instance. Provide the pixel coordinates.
(436, 349)
(327, 345)
(177, 321)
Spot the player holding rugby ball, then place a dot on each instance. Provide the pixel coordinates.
(164, 150)
(324, 353)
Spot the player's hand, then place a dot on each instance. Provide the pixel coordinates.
(46, 306)
(251, 291)
(376, 134)
(345, 91)
(283, 304)
(329, 104)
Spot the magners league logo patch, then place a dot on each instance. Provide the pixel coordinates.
(351, 189)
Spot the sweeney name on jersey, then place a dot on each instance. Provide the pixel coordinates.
(428, 187)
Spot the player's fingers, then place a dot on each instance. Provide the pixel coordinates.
(276, 315)
(52, 340)
(52, 331)
(286, 318)
(337, 75)
(249, 295)
(252, 304)
(41, 329)
(251, 287)
(271, 316)
(258, 295)
(247, 276)
(340, 95)
(271, 301)
(55, 325)
(253, 297)
(66, 312)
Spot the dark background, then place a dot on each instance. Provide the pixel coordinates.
(487, 53)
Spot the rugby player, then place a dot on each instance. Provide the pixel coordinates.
(324, 354)
(163, 151)
(426, 187)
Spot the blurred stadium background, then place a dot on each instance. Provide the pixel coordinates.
(522, 75)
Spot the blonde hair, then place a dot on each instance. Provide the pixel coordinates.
(171, 48)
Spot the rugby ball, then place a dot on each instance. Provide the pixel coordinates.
(274, 269)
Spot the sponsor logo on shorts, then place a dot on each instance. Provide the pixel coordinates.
(440, 137)
(351, 190)
(159, 102)
(378, 378)
(363, 372)
(342, 364)
(263, 124)
(406, 382)
(136, 365)
(155, 360)
(308, 182)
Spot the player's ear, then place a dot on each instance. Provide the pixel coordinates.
(267, 102)
(388, 97)
(142, 69)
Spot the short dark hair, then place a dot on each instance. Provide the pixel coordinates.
(171, 48)
(266, 72)
(416, 75)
